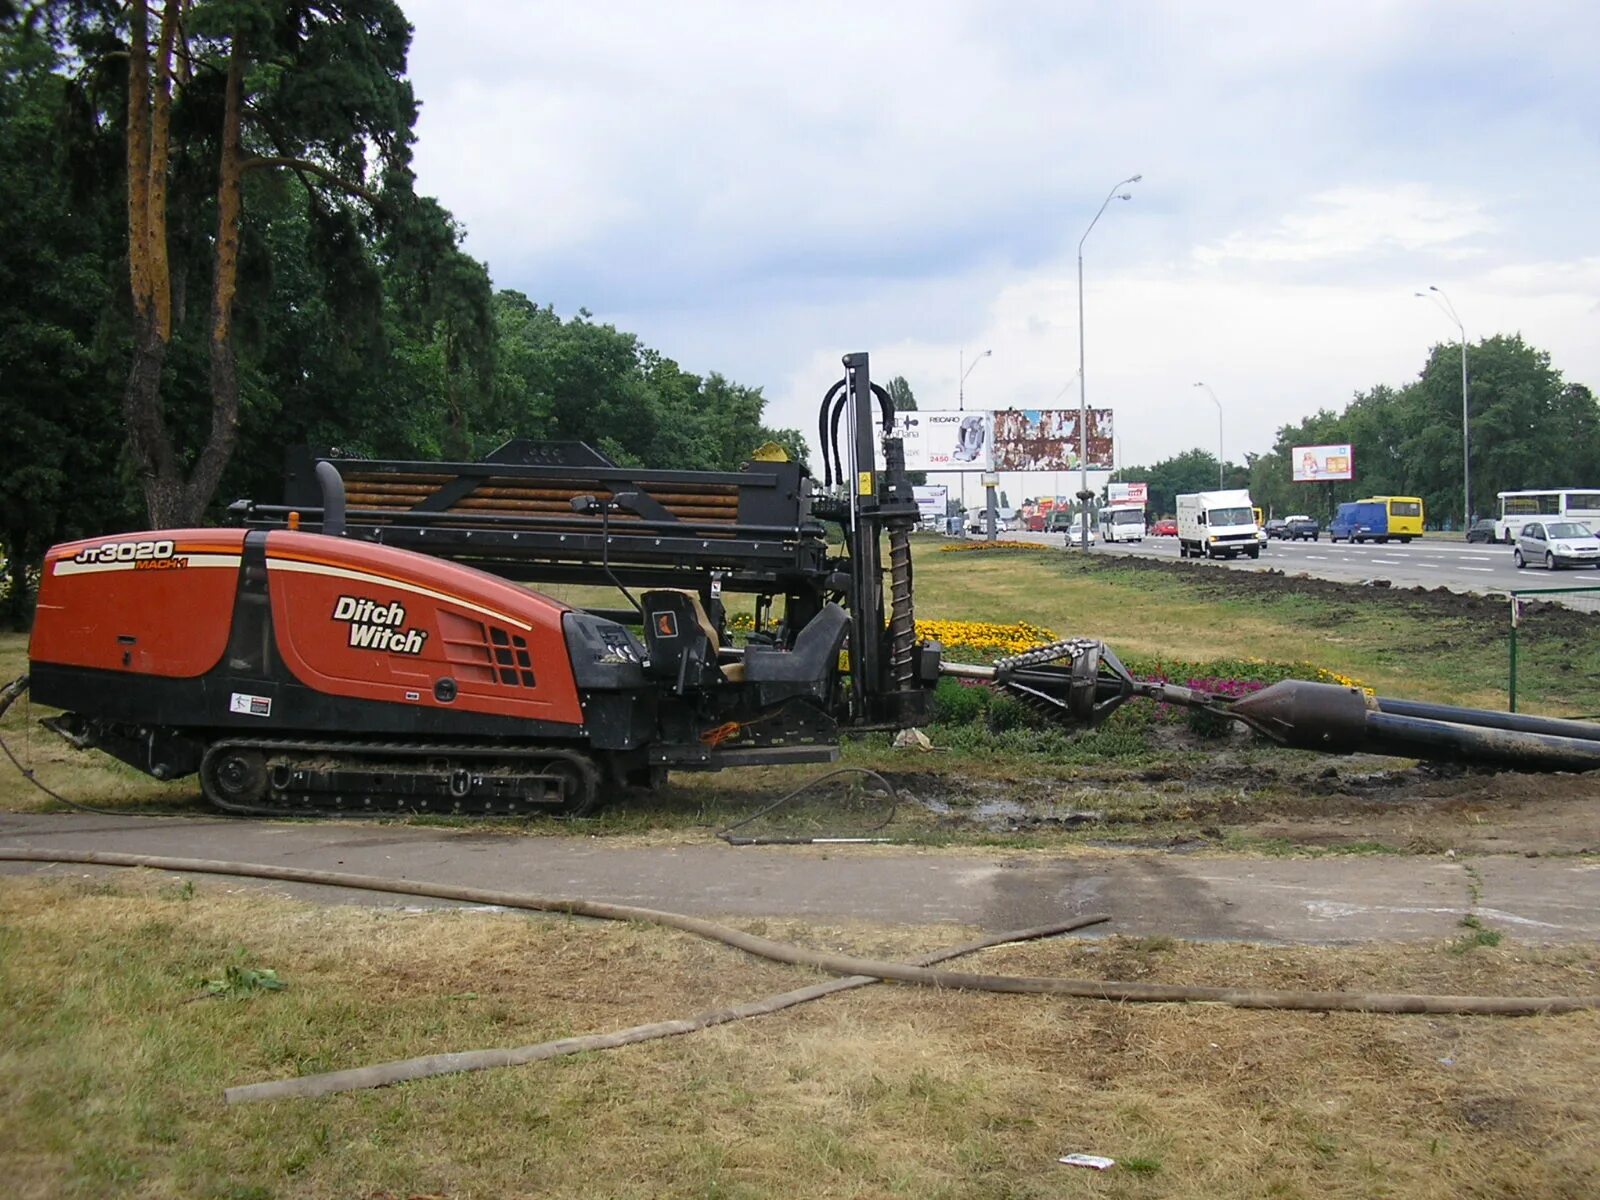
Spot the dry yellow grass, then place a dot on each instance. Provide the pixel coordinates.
(110, 1076)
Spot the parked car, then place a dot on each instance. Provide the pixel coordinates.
(1164, 529)
(1298, 526)
(1481, 530)
(1277, 527)
(1554, 544)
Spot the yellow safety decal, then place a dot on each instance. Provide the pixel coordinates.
(864, 483)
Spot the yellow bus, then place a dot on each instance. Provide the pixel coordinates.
(1405, 515)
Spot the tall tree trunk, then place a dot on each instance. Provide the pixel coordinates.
(224, 433)
(149, 273)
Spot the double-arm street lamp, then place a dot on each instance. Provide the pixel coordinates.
(1442, 302)
(1218, 403)
(1083, 379)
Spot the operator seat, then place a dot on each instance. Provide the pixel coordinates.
(808, 668)
(682, 641)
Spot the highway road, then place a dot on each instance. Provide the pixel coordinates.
(1421, 563)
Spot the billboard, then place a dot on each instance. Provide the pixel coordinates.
(947, 439)
(1127, 493)
(1046, 439)
(1313, 464)
(932, 501)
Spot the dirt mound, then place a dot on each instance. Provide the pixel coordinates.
(1440, 602)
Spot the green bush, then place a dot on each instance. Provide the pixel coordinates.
(1006, 712)
(956, 703)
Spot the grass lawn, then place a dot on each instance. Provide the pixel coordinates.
(1420, 645)
(112, 1063)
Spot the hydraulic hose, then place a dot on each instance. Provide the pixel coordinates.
(845, 964)
(430, 1065)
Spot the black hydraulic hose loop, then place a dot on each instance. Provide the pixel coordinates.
(822, 432)
(728, 835)
(835, 418)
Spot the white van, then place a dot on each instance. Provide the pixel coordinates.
(1217, 525)
(1122, 523)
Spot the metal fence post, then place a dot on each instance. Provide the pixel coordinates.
(1512, 682)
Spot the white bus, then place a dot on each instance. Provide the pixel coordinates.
(1122, 522)
(1518, 508)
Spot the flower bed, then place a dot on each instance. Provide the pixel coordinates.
(990, 547)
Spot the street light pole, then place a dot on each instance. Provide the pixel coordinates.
(1083, 378)
(961, 405)
(1218, 403)
(1449, 310)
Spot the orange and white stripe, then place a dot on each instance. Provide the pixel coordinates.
(306, 567)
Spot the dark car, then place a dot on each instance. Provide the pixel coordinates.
(1481, 531)
(1301, 526)
(1277, 527)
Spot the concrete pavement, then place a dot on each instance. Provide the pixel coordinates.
(1333, 900)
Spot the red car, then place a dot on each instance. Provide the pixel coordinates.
(1164, 529)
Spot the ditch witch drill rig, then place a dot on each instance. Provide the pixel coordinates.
(368, 646)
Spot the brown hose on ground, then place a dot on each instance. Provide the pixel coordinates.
(383, 1074)
(844, 964)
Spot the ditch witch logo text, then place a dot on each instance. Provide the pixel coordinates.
(375, 626)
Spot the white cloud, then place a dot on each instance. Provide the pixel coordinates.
(759, 189)
(1348, 222)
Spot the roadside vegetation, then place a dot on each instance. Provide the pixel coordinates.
(120, 1040)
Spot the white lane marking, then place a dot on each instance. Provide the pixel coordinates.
(1485, 570)
(1318, 557)
(1586, 576)
(1388, 562)
(1476, 557)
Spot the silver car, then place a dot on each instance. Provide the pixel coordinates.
(1554, 544)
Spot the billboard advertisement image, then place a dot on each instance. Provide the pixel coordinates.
(1313, 464)
(1127, 493)
(947, 440)
(1046, 439)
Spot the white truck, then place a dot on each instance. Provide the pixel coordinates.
(1122, 522)
(1217, 525)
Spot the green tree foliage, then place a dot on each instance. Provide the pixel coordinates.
(905, 400)
(591, 382)
(350, 317)
(1191, 471)
(1529, 429)
(58, 399)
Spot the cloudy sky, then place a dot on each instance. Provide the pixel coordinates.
(759, 188)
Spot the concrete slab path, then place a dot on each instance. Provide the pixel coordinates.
(1330, 900)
